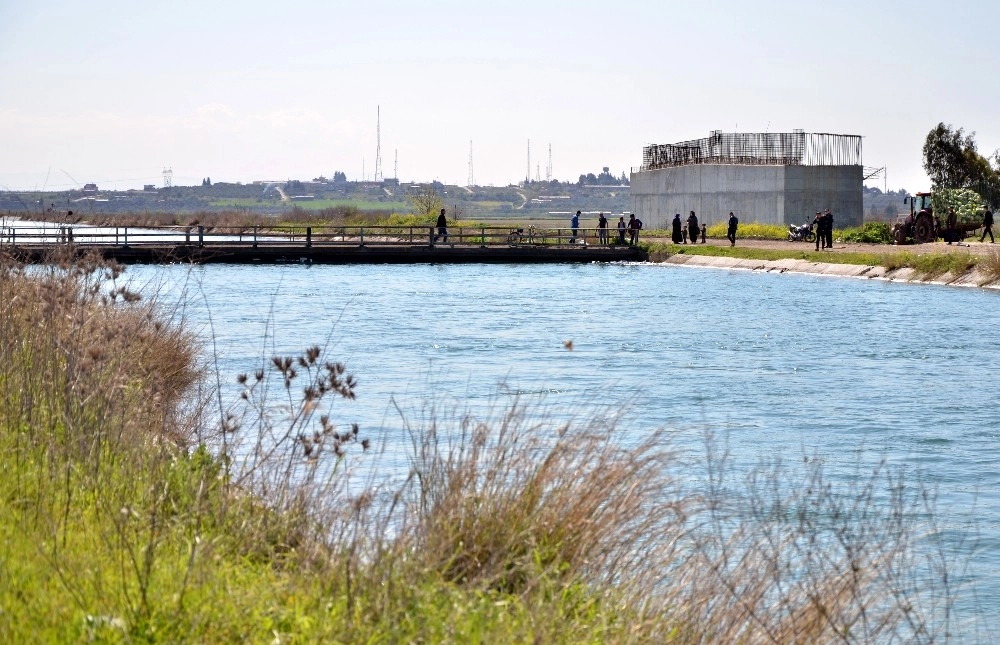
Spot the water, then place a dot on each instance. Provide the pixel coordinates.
(788, 365)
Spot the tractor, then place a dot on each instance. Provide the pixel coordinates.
(922, 226)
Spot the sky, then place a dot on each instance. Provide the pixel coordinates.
(113, 92)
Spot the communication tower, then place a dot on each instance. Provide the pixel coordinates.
(378, 144)
(471, 177)
(168, 177)
(548, 168)
(527, 174)
(395, 168)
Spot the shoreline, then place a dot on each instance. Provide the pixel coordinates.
(973, 278)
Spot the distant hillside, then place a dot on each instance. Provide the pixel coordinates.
(532, 200)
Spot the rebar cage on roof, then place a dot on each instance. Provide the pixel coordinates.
(796, 148)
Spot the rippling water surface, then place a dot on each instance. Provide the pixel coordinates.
(789, 365)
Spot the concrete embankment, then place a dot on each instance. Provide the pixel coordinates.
(974, 278)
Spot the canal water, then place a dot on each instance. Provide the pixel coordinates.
(784, 365)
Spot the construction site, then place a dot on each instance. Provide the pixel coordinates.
(771, 178)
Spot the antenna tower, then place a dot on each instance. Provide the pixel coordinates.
(168, 177)
(395, 169)
(548, 168)
(538, 172)
(471, 179)
(378, 144)
(527, 174)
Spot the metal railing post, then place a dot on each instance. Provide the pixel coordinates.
(254, 237)
(361, 234)
(69, 238)
(126, 236)
(309, 236)
(201, 236)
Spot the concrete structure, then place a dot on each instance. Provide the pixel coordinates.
(776, 178)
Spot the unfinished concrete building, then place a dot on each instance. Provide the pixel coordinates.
(773, 178)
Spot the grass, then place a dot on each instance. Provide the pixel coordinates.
(927, 266)
(135, 509)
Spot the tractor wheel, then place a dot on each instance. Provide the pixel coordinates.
(923, 229)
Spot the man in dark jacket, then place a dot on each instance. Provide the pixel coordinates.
(731, 232)
(987, 224)
(818, 223)
(828, 227)
(442, 227)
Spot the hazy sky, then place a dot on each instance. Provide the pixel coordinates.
(114, 91)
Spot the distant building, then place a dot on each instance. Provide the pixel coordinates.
(772, 178)
(149, 188)
(90, 188)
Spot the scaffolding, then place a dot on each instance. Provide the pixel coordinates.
(795, 148)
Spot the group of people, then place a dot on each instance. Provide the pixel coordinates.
(823, 223)
(680, 234)
(630, 228)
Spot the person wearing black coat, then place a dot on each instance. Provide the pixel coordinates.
(693, 228)
(731, 231)
(828, 227)
(819, 222)
(675, 234)
(987, 225)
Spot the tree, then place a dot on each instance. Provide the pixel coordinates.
(952, 161)
(426, 201)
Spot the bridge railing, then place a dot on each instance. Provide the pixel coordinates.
(305, 236)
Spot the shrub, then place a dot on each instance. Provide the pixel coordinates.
(750, 231)
(868, 233)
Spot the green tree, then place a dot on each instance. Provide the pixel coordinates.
(952, 161)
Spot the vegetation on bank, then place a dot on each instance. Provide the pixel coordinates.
(927, 266)
(137, 508)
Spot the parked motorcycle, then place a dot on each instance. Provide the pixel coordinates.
(802, 233)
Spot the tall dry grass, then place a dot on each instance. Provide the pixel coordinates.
(136, 515)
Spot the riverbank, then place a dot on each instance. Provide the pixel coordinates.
(966, 265)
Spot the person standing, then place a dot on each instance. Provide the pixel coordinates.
(818, 222)
(574, 224)
(602, 229)
(693, 228)
(987, 224)
(704, 232)
(952, 224)
(633, 229)
(828, 216)
(621, 229)
(675, 233)
(442, 227)
(731, 231)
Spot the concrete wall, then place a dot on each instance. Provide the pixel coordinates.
(766, 194)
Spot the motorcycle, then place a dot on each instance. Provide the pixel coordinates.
(802, 233)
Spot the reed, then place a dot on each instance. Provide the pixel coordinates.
(137, 510)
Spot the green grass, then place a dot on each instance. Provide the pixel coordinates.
(926, 265)
(137, 510)
(312, 205)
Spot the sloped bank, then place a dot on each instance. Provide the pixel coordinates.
(972, 278)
